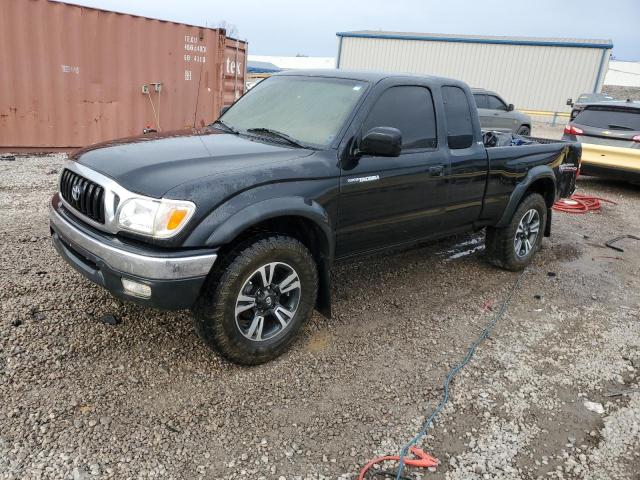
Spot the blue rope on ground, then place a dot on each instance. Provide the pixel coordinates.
(453, 372)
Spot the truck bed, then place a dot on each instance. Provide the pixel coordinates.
(509, 166)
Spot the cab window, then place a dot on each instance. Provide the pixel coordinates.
(410, 110)
(458, 116)
(496, 104)
(481, 100)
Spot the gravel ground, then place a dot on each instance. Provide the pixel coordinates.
(146, 399)
(545, 130)
(621, 92)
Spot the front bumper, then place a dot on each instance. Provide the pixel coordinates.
(175, 277)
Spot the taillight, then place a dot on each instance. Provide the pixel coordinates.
(571, 130)
(636, 138)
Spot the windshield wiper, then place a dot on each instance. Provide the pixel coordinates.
(619, 127)
(225, 127)
(277, 134)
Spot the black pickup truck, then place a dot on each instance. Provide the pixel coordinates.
(242, 220)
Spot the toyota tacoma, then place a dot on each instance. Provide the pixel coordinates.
(241, 221)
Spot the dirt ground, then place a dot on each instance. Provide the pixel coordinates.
(146, 399)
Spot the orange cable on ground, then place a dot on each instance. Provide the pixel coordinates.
(579, 203)
(423, 460)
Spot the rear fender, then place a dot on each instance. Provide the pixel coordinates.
(536, 173)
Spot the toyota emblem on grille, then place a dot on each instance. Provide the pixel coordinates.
(76, 191)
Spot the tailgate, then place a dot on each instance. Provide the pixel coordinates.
(567, 165)
(567, 171)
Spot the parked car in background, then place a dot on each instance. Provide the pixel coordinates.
(584, 99)
(614, 123)
(496, 114)
(610, 134)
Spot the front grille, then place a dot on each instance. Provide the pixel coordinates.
(90, 195)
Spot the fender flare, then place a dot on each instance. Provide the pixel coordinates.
(279, 207)
(536, 173)
(272, 208)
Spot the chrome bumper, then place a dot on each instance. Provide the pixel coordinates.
(150, 267)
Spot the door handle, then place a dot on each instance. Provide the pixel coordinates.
(436, 171)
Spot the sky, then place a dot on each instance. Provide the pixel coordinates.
(291, 27)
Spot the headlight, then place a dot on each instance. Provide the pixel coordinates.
(156, 218)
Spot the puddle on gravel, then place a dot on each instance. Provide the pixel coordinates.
(318, 342)
(565, 252)
(464, 248)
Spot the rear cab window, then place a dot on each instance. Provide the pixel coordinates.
(409, 109)
(610, 118)
(458, 116)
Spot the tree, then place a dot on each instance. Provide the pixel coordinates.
(231, 29)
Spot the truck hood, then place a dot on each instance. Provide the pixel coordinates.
(152, 165)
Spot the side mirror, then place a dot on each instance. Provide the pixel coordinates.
(570, 102)
(510, 107)
(224, 109)
(381, 142)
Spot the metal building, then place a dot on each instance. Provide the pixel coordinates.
(71, 75)
(535, 74)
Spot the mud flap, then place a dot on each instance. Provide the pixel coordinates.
(323, 302)
(547, 227)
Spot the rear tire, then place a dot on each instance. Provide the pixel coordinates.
(253, 305)
(512, 247)
(524, 130)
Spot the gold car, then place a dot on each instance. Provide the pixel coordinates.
(610, 137)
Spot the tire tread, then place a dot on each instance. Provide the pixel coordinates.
(209, 309)
(499, 240)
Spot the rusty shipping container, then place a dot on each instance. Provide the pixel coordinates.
(71, 76)
(235, 68)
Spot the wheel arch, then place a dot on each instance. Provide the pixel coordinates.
(540, 179)
(304, 220)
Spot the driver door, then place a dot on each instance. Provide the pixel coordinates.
(387, 201)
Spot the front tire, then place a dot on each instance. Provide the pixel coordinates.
(512, 247)
(254, 304)
(524, 130)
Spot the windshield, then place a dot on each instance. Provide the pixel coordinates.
(309, 110)
(610, 118)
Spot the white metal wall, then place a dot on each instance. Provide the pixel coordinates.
(530, 77)
(626, 74)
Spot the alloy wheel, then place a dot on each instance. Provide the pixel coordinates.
(527, 233)
(268, 301)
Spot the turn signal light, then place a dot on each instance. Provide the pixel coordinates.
(571, 130)
(175, 219)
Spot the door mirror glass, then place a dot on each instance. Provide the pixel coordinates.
(382, 142)
(570, 102)
(510, 107)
